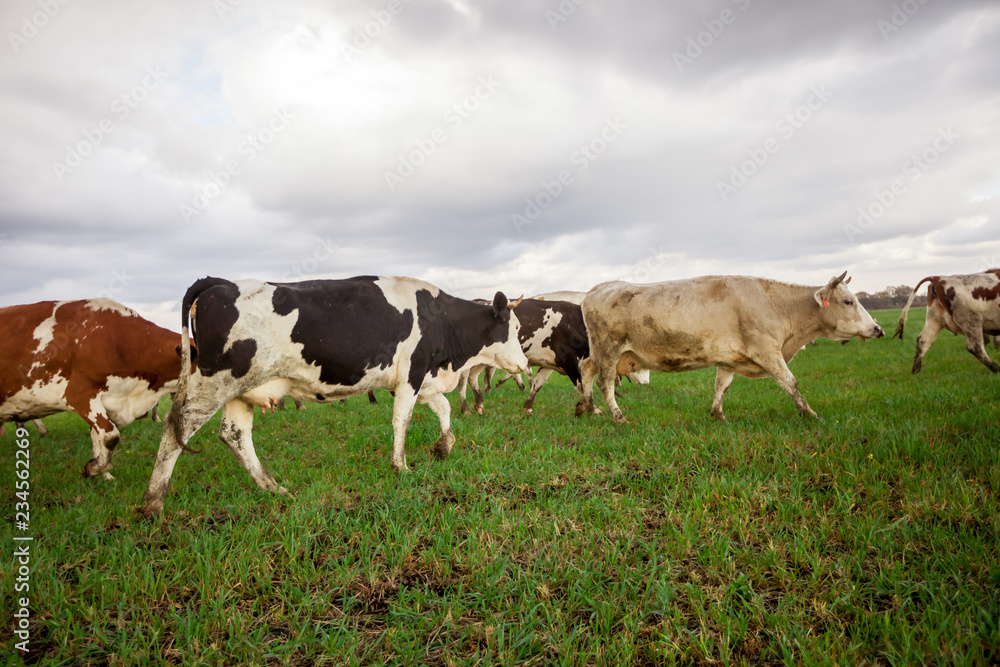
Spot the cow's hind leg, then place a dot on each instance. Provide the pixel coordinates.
(442, 408)
(540, 378)
(932, 327)
(402, 413)
(235, 431)
(723, 379)
(585, 406)
(180, 425)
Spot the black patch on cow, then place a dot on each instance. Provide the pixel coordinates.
(453, 330)
(568, 340)
(215, 315)
(346, 327)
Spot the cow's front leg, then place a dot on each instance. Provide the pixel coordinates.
(536, 384)
(476, 390)
(235, 431)
(463, 382)
(402, 412)
(972, 329)
(777, 368)
(442, 408)
(723, 379)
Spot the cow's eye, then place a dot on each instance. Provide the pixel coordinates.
(848, 302)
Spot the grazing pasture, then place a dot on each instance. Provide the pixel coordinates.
(868, 537)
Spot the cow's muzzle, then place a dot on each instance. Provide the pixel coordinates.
(878, 333)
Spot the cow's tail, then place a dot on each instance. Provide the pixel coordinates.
(187, 333)
(906, 309)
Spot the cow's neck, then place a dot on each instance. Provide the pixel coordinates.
(802, 313)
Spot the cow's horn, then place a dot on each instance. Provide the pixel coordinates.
(836, 281)
(516, 303)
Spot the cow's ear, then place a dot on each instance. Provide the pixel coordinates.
(194, 352)
(500, 310)
(820, 297)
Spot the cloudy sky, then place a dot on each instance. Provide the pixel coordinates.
(523, 146)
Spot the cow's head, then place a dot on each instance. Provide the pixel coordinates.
(505, 348)
(840, 313)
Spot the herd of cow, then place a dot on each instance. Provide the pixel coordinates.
(248, 343)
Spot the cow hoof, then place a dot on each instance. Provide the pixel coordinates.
(151, 510)
(108, 476)
(718, 415)
(466, 410)
(619, 418)
(479, 410)
(529, 411)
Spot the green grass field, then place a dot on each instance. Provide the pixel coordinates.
(870, 537)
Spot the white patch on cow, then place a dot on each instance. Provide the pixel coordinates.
(101, 303)
(537, 352)
(640, 377)
(127, 398)
(507, 355)
(45, 331)
(268, 394)
(572, 297)
(43, 398)
(401, 293)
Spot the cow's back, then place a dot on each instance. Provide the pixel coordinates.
(706, 307)
(19, 349)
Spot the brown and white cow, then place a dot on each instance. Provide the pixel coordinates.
(320, 341)
(94, 357)
(962, 304)
(738, 324)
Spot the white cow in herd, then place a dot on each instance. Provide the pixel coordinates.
(738, 324)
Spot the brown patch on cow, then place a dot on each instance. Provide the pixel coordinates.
(987, 293)
(625, 297)
(939, 291)
(718, 291)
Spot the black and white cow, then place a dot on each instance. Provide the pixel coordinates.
(554, 338)
(323, 340)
